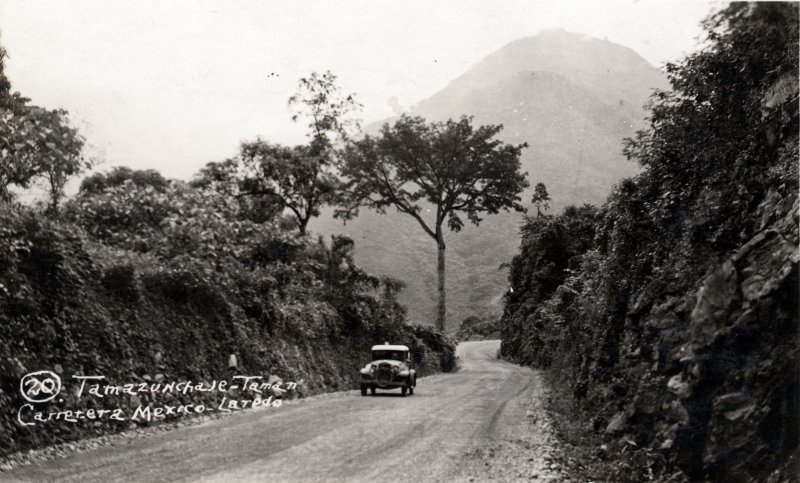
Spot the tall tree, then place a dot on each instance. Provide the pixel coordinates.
(35, 144)
(9, 100)
(61, 157)
(5, 85)
(287, 179)
(541, 198)
(458, 169)
(300, 179)
(38, 143)
(320, 100)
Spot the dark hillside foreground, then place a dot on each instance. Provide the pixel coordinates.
(669, 316)
(166, 290)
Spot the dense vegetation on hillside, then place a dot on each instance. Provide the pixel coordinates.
(671, 313)
(475, 328)
(144, 279)
(161, 280)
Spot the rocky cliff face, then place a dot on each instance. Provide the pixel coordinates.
(694, 367)
(746, 308)
(671, 317)
(715, 370)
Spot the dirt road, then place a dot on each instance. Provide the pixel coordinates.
(482, 423)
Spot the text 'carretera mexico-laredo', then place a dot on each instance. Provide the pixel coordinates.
(43, 389)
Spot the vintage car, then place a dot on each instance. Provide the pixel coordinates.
(391, 367)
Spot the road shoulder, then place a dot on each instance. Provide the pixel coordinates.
(523, 444)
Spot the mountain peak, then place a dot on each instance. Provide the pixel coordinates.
(559, 33)
(616, 74)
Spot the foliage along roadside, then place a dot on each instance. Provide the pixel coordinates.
(149, 279)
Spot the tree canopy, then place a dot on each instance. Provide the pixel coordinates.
(320, 100)
(460, 170)
(271, 179)
(35, 144)
(541, 198)
(287, 179)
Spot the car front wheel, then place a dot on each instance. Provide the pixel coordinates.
(403, 391)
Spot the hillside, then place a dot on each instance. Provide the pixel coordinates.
(669, 316)
(616, 74)
(572, 98)
(148, 280)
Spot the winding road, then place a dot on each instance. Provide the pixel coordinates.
(479, 424)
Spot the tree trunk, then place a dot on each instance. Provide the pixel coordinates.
(55, 194)
(442, 310)
(301, 226)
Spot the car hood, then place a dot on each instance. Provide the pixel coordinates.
(389, 362)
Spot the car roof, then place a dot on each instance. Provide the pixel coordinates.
(387, 347)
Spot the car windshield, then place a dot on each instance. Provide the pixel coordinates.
(392, 355)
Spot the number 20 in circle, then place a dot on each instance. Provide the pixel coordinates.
(40, 386)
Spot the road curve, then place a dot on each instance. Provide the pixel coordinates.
(438, 434)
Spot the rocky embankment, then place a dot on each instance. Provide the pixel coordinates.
(669, 316)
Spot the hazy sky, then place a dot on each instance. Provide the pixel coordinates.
(173, 84)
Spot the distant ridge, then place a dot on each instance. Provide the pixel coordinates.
(611, 71)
